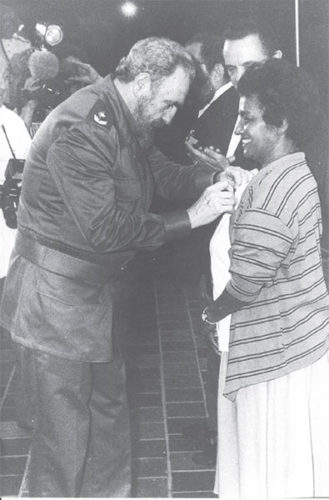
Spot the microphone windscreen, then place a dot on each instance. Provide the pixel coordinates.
(43, 65)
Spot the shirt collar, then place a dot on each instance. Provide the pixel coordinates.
(286, 161)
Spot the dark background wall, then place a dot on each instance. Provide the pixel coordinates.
(104, 35)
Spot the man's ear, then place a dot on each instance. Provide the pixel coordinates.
(283, 127)
(277, 54)
(142, 84)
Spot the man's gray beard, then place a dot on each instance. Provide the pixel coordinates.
(143, 119)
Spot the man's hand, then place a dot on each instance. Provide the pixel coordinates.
(234, 175)
(32, 85)
(214, 201)
(209, 156)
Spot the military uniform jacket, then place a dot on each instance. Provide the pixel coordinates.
(87, 188)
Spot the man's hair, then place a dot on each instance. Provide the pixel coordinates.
(211, 48)
(285, 92)
(242, 28)
(159, 57)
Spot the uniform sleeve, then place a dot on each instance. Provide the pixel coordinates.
(179, 182)
(81, 164)
(261, 242)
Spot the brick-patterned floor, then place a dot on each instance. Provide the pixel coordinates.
(165, 367)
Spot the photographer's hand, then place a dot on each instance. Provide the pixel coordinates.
(32, 85)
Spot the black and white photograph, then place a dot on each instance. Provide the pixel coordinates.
(164, 249)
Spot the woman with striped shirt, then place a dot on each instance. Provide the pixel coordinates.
(274, 381)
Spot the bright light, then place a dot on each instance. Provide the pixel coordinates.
(129, 9)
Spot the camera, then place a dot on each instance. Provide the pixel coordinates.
(198, 145)
(10, 191)
(48, 96)
(195, 142)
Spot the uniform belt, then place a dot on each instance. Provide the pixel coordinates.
(63, 264)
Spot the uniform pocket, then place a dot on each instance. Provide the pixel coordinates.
(66, 290)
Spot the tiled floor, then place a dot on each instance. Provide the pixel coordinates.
(165, 368)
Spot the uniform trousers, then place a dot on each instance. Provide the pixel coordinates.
(81, 437)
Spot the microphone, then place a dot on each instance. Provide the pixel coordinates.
(43, 65)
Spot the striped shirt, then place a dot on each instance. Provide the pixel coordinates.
(276, 267)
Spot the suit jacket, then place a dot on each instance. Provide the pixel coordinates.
(215, 126)
(189, 258)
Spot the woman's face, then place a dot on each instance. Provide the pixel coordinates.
(259, 140)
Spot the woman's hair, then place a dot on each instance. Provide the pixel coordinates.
(285, 92)
(159, 57)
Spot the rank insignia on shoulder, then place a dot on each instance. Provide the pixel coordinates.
(101, 117)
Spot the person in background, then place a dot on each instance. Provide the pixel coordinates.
(15, 142)
(14, 53)
(245, 42)
(180, 260)
(42, 72)
(88, 183)
(50, 81)
(211, 82)
(11, 41)
(273, 390)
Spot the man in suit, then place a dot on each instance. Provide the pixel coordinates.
(215, 120)
(210, 111)
(210, 84)
(212, 127)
